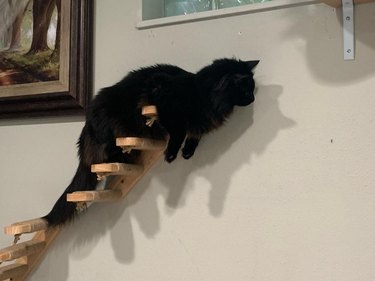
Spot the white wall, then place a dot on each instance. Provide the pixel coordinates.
(285, 191)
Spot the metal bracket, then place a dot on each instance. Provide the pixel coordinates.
(348, 28)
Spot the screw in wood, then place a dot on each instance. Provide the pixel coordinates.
(100, 177)
(17, 238)
(81, 207)
(151, 121)
(126, 150)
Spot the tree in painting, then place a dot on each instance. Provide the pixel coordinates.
(29, 41)
(15, 29)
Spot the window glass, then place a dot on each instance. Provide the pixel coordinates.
(152, 9)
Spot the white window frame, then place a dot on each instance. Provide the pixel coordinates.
(240, 10)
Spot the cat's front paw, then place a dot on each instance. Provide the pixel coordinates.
(189, 147)
(187, 153)
(170, 157)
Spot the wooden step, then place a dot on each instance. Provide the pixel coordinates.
(129, 143)
(26, 226)
(12, 270)
(94, 196)
(115, 169)
(32, 261)
(151, 112)
(22, 249)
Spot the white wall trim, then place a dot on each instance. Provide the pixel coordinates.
(247, 9)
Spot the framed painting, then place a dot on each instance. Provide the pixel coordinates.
(45, 57)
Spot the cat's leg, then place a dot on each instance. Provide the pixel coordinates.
(191, 144)
(176, 138)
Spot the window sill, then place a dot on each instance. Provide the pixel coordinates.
(337, 3)
(248, 9)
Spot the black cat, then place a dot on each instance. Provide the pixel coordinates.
(189, 105)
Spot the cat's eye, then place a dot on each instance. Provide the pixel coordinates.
(242, 80)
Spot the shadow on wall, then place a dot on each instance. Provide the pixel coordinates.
(323, 46)
(248, 132)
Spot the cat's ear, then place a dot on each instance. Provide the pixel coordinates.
(252, 63)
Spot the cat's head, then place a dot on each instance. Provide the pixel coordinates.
(230, 81)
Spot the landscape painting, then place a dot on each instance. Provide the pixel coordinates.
(45, 57)
(30, 40)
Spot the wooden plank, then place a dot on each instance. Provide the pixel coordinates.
(149, 110)
(147, 159)
(116, 169)
(151, 113)
(94, 196)
(48, 236)
(338, 3)
(12, 270)
(22, 249)
(129, 143)
(26, 226)
(119, 185)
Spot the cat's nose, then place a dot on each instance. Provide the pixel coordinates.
(251, 98)
(248, 99)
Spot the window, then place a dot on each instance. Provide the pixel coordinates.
(154, 9)
(157, 13)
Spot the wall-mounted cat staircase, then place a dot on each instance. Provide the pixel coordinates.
(22, 258)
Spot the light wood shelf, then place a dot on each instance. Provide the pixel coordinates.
(28, 226)
(94, 196)
(149, 110)
(27, 255)
(22, 249)
(129, 143)
(147, 159)
(12, 271)
(151, 113)
(115, 169)
(33, 260)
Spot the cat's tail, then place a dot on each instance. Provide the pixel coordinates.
(64, 211)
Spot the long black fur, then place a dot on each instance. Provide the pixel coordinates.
(189, 105)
